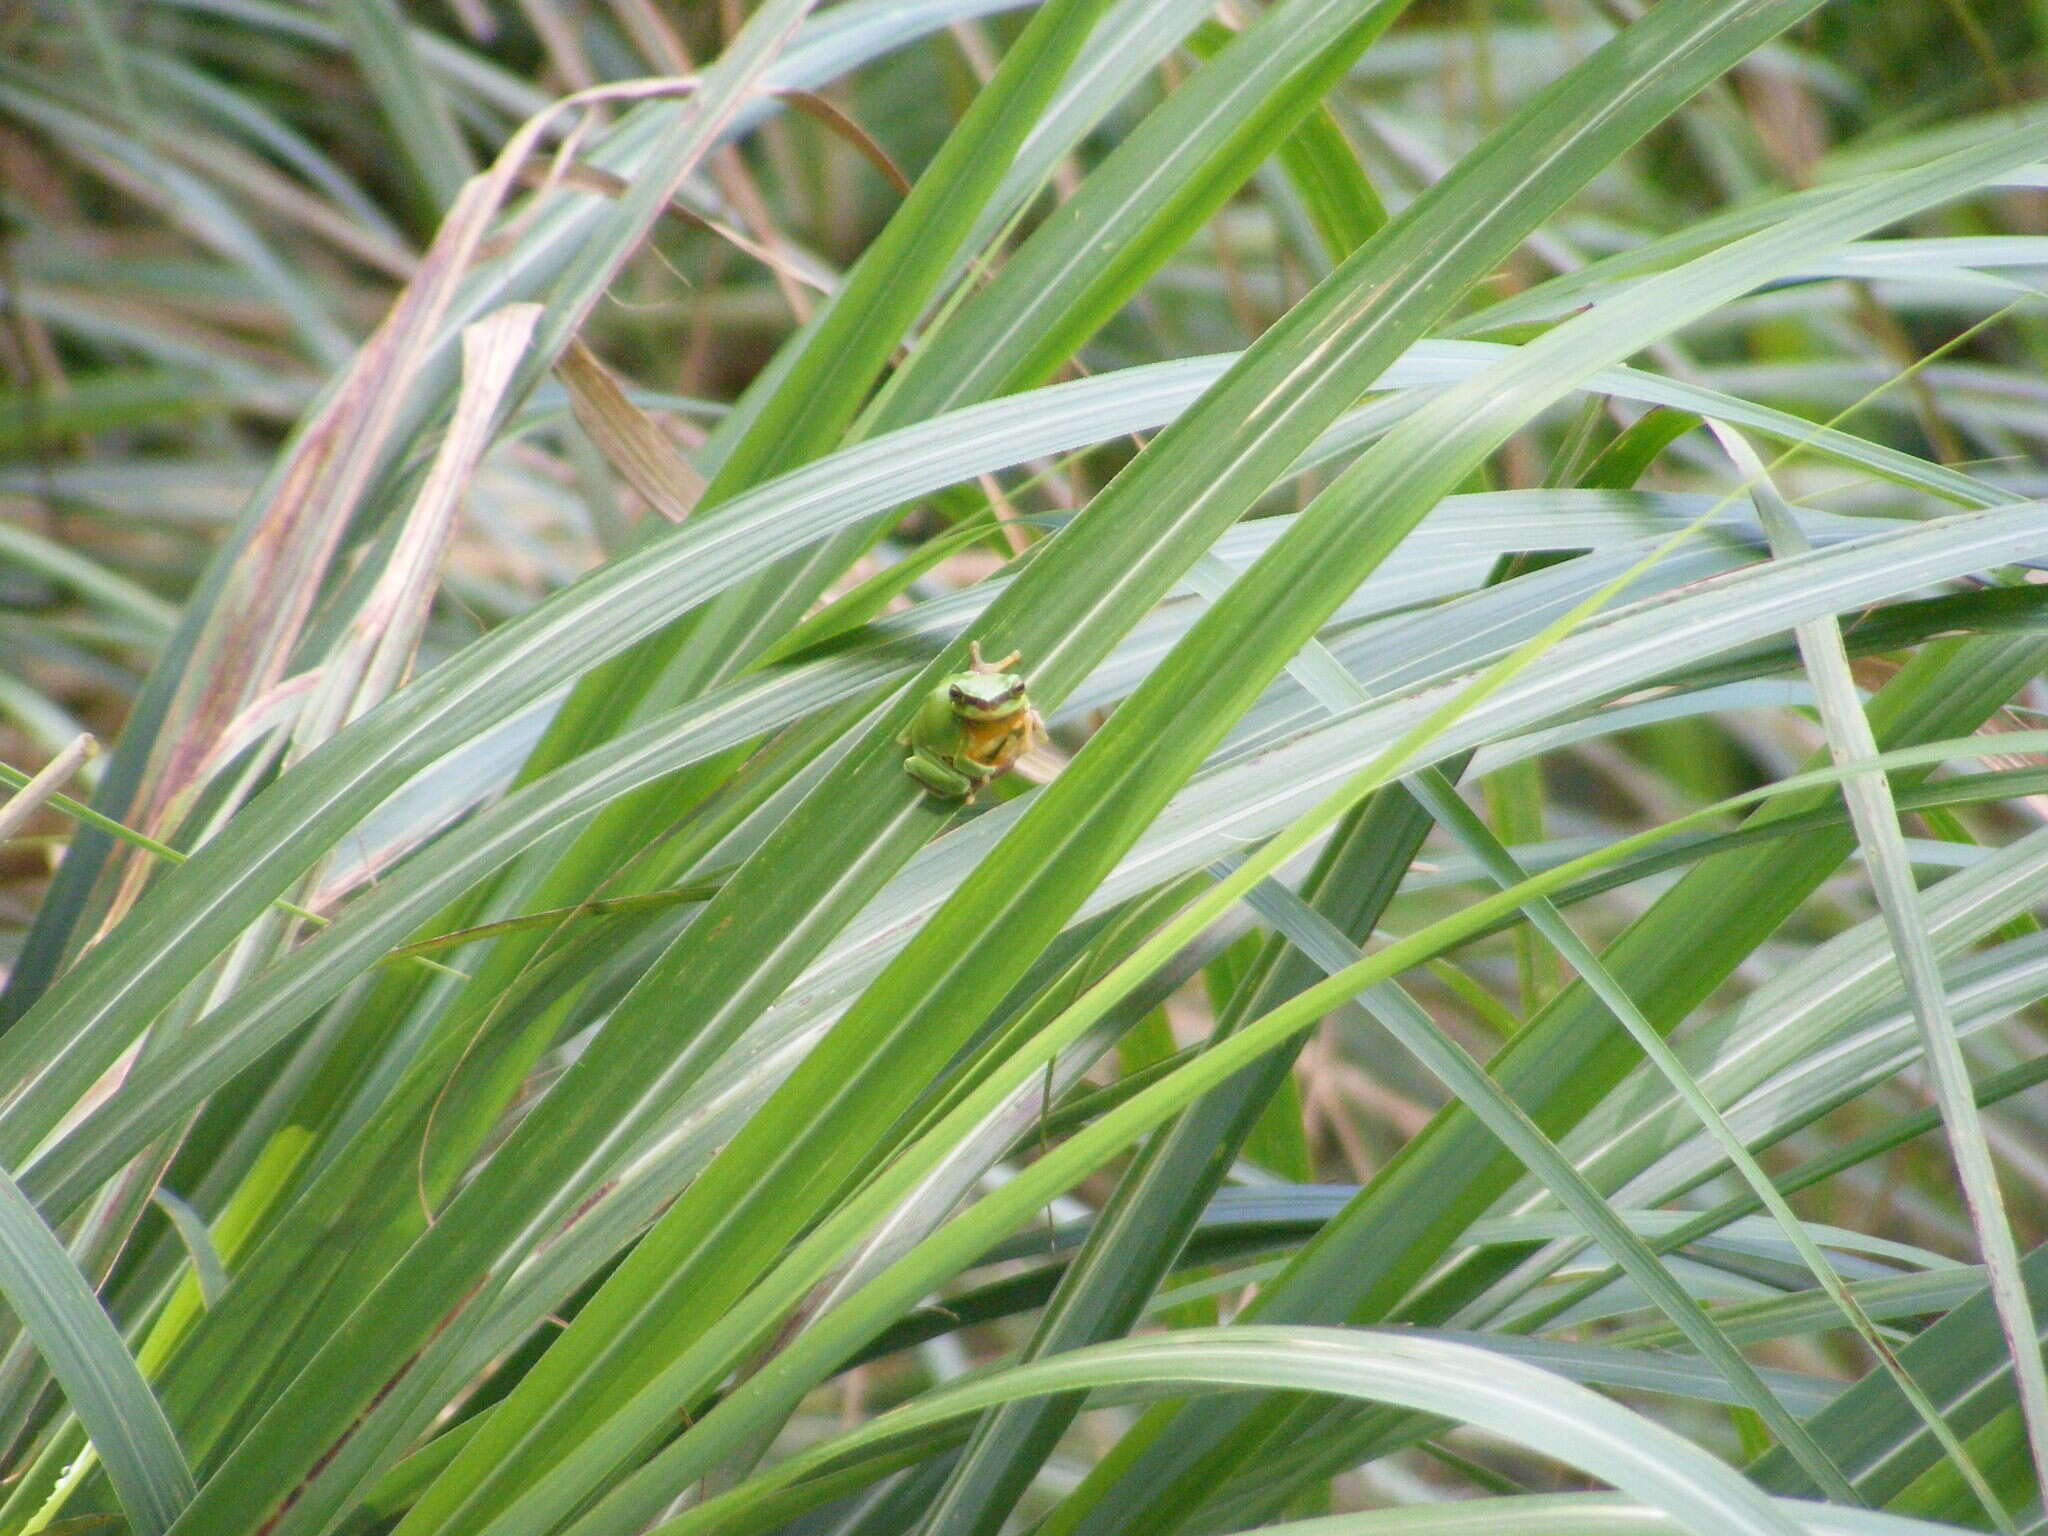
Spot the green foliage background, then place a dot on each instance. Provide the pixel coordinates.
(1512, 1000)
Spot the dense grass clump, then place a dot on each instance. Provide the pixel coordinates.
(967, 767)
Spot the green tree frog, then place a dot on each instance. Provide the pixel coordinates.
(971, 728)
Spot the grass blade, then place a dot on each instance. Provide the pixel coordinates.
(1875, 818)
(60, 1313)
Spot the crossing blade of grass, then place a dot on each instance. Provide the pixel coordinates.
(61, 1314)
(1877, 829)
(1063, 613)
(1480, 1387)
(1816, 1023)
(1983, 992)
(1965, 1363)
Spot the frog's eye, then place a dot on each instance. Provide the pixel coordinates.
(1016, 690)
(959, 695)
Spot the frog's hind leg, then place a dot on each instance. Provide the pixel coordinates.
(938, 779)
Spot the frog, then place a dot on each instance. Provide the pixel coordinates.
(971, 728)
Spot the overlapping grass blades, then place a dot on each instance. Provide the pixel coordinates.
(740, 1159)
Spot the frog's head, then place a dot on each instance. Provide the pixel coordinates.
(987, 695)
(990, 691)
